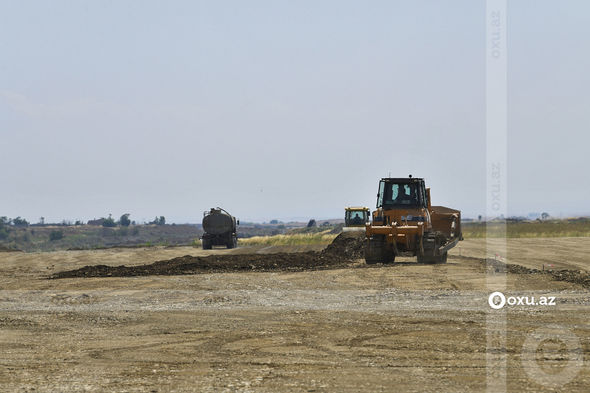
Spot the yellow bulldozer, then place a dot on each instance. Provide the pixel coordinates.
(355, 218)
(406, 224)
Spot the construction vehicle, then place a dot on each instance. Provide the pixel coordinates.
(406, 224)
(355, 218)
(220, 229)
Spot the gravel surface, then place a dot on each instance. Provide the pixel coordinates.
(338, 327)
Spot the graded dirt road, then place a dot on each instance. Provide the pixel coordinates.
(346, 328)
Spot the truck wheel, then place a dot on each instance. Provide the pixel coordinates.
(206, 244)
(378, 251)
(431, 243)
(233, 242)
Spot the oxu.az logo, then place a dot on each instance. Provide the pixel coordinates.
(498, 300)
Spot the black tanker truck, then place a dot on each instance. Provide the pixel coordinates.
(220, 229)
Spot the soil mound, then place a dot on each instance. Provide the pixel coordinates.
(345, 248)
(574, 276)
(214, 263)
(578, 277)
(348, 244)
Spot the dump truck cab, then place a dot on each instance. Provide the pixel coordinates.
(402, 200)
(355, 218)
(405, 223)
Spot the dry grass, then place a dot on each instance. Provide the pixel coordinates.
(579, 227)
(323, 238)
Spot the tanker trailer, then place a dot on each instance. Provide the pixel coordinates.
(220, 229)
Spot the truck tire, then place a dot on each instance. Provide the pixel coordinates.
(378, 251)
(431, 243)
(206, 244)
(233, 242)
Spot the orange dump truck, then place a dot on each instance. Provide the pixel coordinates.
(406, 224)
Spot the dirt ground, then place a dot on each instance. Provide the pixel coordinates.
(347, 327)
(560, 252)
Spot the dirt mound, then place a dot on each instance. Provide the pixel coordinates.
(214, 263)
(340, 252)
(348, 244)
(578, 277)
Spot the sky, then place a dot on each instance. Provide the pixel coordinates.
(284, 110)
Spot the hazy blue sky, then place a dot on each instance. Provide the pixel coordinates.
(282, 109)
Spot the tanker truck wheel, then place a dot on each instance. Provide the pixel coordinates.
(232, 243)
(206, 244)
(378, 251)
